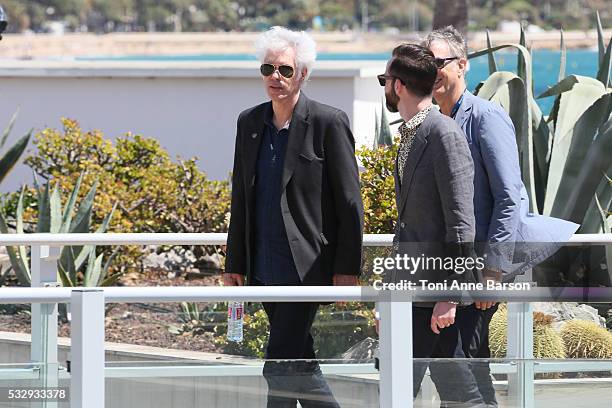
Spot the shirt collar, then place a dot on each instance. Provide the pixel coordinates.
(416, 120)
(269, 119)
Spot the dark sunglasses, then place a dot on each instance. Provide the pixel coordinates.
(285, 70)
(442, 62)
(382, 79)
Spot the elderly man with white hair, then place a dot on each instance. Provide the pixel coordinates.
(296, 212)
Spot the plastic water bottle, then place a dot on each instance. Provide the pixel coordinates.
(235, 315)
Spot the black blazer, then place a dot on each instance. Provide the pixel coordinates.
(320, 201)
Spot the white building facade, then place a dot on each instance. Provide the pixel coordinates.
(190, 107)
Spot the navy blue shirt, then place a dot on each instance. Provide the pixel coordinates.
(274, 263)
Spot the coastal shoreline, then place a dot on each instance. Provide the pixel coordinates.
(40, 46)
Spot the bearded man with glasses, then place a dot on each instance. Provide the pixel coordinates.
(296, 211)
(434, 193)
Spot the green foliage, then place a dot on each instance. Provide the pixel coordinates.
(245, 15)
(547, 343)
(585, 339)
(12, 155)
(378, 188)
(153, 192)
(564, 158)
(78, 265)
(194, 320)
(7, 161)
(383, 133)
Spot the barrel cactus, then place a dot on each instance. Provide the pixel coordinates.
(547, 343)
(585, 339)
(498, 342)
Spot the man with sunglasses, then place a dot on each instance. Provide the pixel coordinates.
(296, 211)
(501, 203)
(434, 193)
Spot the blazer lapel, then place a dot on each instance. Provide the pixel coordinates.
(252, 137)
(465, 109)
(398, 190)
(418, 147)
(297, 133)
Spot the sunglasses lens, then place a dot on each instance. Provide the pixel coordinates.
(266, 69)
(439, 62)
(382, 80)
(286, 71)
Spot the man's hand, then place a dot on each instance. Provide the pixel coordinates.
(443, 316)
(489, 276)
(233, 279)
(346, 280)
(484, 305)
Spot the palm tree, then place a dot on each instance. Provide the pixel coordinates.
(447, 12)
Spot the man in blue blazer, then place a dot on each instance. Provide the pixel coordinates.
(501, 202)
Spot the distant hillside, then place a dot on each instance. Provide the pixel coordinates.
(102, 16)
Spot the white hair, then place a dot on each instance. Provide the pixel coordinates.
(278, 39)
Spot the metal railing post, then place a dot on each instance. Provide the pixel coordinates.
(87, 349)
(395, 354)
(520, 347)
(44, 317)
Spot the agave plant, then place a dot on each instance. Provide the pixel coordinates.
(74, 261)
(382, 133)
(12, 155)
(7, 162)
(565, 157)
(194, 320)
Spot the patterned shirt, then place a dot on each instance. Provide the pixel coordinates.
(408, 131)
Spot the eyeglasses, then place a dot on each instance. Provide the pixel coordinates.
(285, 70)
(442, 62)
(382, 79)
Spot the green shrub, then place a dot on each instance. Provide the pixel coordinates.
(153, 192)
(378, 188)
(378, 194)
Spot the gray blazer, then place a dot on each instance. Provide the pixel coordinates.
(435, 197)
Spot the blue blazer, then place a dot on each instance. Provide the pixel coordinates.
(501, 203)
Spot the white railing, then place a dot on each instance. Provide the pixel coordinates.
(88, 371)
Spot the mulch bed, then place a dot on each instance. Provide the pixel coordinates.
(139, 323)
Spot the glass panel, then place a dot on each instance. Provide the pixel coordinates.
(15, 329)
(165, 355)
(339, 331)
(563, 382)
(238, 384)
(33, 386)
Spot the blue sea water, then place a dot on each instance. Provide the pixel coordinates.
(545, 65)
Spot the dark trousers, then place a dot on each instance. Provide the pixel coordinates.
(454, 381)
(290, 339)
(473, 325)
